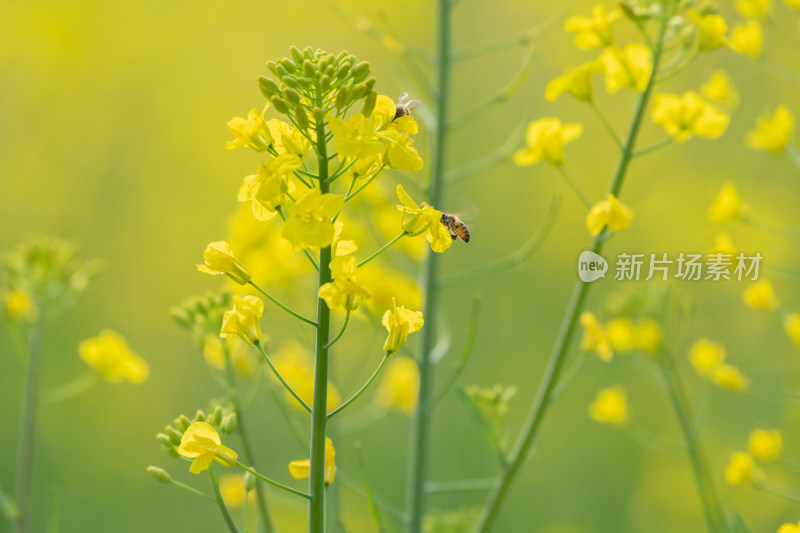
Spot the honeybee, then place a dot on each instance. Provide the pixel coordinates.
(403, 106)
(457, 228)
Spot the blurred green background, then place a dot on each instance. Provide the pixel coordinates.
(112, 132)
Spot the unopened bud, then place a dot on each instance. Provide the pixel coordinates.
(292, 96)
(174, 435)
(297, 55)
(249, 481)
(288, 64)
(216, 416)
(279, 105)
(341, 98)
(183, 423)
(343, 71)
(273, 67)
(164, 439)
(281, 71)
(308, 69)
(370, 84)
(181, 316)
(325, 82)
(318, 114)
(369, 103)
(159, 474)
(267, 86)
(200, 416)
(290, 81)
(300, 116)
(229, 423)
(360, 72)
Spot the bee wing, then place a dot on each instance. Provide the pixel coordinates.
(466, 210)
(402, 99)
(413, 104)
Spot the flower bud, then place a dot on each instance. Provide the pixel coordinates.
(159, 474)
(288, 64)
(341, 98)
(229, 423)
(308, 69)
(216, 416)
(318, 113)
(300, 116)
(281, 71)
(358, 92)
(325, 82)
(249, 481)
(292, 96)
(174, 435)
(183, 423)
(370, 84)
(360, 72)
(369, 103)
(199, 416)
(343, 71)
(278, 104)
(164, 439)
(181, 316)
(297, 55)
(272, 66)
(290, 81)
(330, 70)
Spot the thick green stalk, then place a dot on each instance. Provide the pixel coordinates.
(28, 428)
(558, 356)
(319, 407)
(226, 514)
(712, 509)
(421, 432)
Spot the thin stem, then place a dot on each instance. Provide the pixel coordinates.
(606, 124)
(193, 490)
(6, 508)
(382, 248)
(68, 390)
(496, 157)
(226, 514)
(779, 491)
(569, 377)
(368, 491)
(521, 39)
(28, 427)
(575, 187)
(384, 505)
(460, 485)
(273, 482)
(280, 378)
(466, 352)
(645, 437)
(283, 407)
(375, 174)
(666, 142)
(341, 171)
(363, 388)
(341, 331)
(780, 71)
(276, 302)
(560, 349)
(319, 408)
(421, 432)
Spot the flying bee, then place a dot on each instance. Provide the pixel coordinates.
(403, 106)
(456, 228)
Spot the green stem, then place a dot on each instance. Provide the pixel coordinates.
(6, 508)
(421, 432)
(575, 187)
(319, 408)
(68, 390)
(276, 302)
(193, 490)
(715, 517)
(28, 428)
(273, 482)
(663, 144)
(645, 437)
(280, 378)
(521, 39)
(460, 485)
(450, 380)
(226, 514)
(382, 249)
(565, 382)
(606, 124)
(367, 181)
(369, 492)
(363, 388)
(561, 348)
(341, 331)
(261, 496)
(781, 492)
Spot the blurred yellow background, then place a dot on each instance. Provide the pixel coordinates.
(112, 120)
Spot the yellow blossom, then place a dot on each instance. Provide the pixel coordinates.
(754, 9)
(790, 528)
(610, 406)
(729, 377)
(773, 131)
(309, 219)
(355, 137)
(399, 322)
(344, 292)
(628, 67)
(386, 284)
(765, 445)
(201, 442)
(648, 335)
(399, 386)
(577, 81)
(594, 338)
(219, 259)
(742, 470)
(792, 326)
(621, 333)
(20, 305)
(727, 204)
(242, 320)
(722, 244)
(608, 213)
(214, 351)
(760, 295)
(711, 30)
(595, 31)
(706, 355)
(340, 246)
(110, 355)
(424, 219)
(301, 469)
(401, 154)
(296, 366)
(687, 115)
(748, 39)
(233, 491)
(267, 189)
(545, 139)
(288, 139)
(719, 88)
(792, 4)
(251, 131)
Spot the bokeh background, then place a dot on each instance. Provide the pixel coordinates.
(112, 132)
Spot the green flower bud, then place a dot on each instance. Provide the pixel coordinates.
(174, 435)
(318, 113)
(297, 55)
(360, 72)
(229, 423)
(325, 82)
(281, 71)
(183, 423)
(370, 84)
(216, 416)
(341, 55)
(341, 98)
(249, 481)
(199, 416)
(300, 116)
(308, 52)
(288, 64)
(290, 81)
(181, 316)
(308, 69)
(358, 92)
(159, 474)
(292, 96)
(164, 439)
(267, 86)
(330, 70)
(343, 71)
(279, 104)
(369, 103)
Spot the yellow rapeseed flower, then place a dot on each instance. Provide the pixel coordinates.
(792, 4)
(790, 528)
(687, 115)
(609, 213)
(288, 139)
(110, 355)
(545, 139)
(417, 220)
(296, 366)
(748, 39)
(765, 445)
(729, 377)
(301, 469)
(399, 388)
(648, 335)
(399, 322)
(621, 333)
(742, 470)
(20, 305)
(760, 295)
(594, 338)
(773, 131)
(706, 355)
(344, 292)
(267, 189)
(711, 30)
(251, 131)
(241, 357)
(576, 81)
(309, 219)
(401, 154)
(595, 31)
(628, 67)
(242, 320)
(355, 137)
(754, 9)
(792, 326)
(201, 442)
(233, 491)
(610, 406)
(385, 284)
(727, 204)
(719, 88)
(723, 244)
(219, 259)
